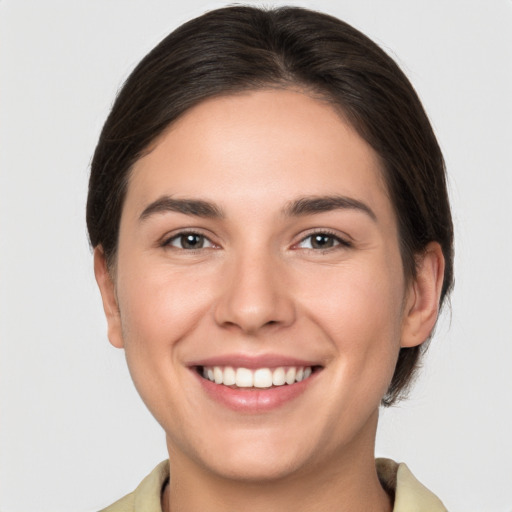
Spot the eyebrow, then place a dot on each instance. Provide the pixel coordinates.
(303, 206)
(195, 207)
(318, 204)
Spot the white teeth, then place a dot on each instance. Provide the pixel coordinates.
(229, 376)
(259, 378)
(278, 377)
(290, 375)
(217, 375)
(263, 378)
(244, 378)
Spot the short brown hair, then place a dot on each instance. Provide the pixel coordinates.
(239, 48)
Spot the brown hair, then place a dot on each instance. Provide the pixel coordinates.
(239, 48)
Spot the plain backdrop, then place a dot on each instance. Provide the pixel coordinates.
(74, 436)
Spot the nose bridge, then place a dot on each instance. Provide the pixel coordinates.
(254, 293)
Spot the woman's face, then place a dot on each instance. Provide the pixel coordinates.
(258, 245)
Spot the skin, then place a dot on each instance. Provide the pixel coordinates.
(258, 286)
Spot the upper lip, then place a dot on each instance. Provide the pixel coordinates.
(253, 362)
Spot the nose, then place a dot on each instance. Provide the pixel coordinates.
(255, 295)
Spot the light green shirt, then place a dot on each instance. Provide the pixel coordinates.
(410, 495)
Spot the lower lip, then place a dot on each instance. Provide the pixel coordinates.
(254, 400)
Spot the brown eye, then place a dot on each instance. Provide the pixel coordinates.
(321, 241)
(189, 241)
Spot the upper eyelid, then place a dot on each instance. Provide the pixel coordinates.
(169, 237)
(188, 230)
(343, 237)
(340, 243)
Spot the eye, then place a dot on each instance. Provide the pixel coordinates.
(189, 241)
(322, 241)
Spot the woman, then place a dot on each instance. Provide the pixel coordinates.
(272, 241)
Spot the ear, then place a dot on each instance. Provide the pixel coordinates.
(108, 296)
(422, 303)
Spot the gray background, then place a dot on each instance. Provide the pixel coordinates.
(73, 433)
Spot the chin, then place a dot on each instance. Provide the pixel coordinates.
(256, 467)
(253, 456)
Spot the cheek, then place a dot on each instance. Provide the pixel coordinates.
(360, 310)
(356, 296)
(159, 307)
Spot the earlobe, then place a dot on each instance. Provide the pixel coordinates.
(108, 296)
(422, 305)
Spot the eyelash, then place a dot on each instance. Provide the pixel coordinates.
(168, 242)
(335, 239)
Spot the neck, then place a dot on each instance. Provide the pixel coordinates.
(347, 481)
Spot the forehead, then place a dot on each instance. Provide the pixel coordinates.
(258, 147)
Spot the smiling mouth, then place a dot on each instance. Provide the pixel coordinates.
(258, 378)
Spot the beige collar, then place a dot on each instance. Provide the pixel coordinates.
(410, 494)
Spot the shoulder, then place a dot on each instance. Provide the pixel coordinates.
(146, 497)
(410, 494)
